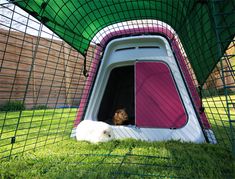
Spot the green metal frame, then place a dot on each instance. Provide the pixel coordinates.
(77, 22)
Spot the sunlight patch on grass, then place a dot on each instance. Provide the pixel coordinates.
(217, 114)
(34, 128)
(120, 159)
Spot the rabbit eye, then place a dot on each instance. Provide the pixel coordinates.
(105, 132)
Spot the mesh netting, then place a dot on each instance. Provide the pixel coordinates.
(196, 20)
(47, 76)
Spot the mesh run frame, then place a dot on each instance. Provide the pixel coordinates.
(43, 78)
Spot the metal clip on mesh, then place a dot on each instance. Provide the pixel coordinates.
(85, 72)
(201, 109)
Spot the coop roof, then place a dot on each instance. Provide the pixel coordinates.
(205, 27)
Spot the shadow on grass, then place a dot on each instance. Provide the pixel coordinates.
(122, 159)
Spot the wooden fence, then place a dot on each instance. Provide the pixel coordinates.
(50, 73)
(45, 74)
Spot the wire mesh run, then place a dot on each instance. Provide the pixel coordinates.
(218, 97)
(41, 83)
(46, 83)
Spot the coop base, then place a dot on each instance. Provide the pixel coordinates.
(151, 134)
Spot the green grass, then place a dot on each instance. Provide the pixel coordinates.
(32, 157)
(217, 114)
(119, 159)
(33, 128)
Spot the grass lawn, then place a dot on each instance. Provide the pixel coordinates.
(67, 158)
(216, 111)
(33, 128)
(119, 159)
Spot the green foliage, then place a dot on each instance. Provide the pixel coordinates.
(36, 107)
(13, 106)
(213, 92)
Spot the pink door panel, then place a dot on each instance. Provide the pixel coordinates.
(158, 103)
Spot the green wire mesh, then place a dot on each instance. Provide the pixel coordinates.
(77, 22)
(39, 89)
(42, 80)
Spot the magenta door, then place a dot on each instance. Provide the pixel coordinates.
(158, 103)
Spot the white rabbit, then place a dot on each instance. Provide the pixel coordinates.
(94, 131)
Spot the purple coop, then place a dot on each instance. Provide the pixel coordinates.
(148, 76)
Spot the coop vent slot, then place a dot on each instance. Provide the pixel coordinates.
(142, 47)
(122, 49)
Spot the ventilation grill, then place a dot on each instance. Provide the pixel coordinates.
(152, 47)
(122, 49)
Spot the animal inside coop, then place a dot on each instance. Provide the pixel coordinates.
(140, 84)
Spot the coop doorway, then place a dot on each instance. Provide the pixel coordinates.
(148, 93)
(119, 94)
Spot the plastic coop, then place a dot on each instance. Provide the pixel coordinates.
(170, 64)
